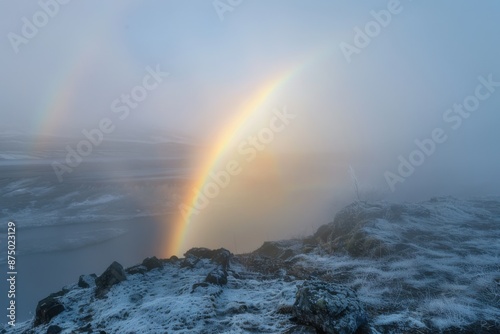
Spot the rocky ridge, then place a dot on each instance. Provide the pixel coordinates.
(429, 267)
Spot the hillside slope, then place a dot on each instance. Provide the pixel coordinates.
(430, 267)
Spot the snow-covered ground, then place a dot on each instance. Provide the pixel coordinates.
(433, 265)
(430, 267)
(163, 301)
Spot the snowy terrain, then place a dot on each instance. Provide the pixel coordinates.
(430, 267)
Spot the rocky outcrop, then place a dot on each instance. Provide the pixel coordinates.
(112, 276)
(219, 256)
(329, 307)
(151, 263)
(137, 269)
(281, 250)
(48, 308)
(87, 281)
(217, 276)
(429, 267)
(189, 261)
(351, 230)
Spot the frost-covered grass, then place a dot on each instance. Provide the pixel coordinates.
(164, 301)
(442, 273)
(446, 274)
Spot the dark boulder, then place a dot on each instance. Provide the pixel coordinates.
(189, 261)
(219, 256)
(329, 307)
(218, 276)
(222, 257)
(48, 308)
(138, 269)
(152, 263)
(86, 281)
(111, 276)
(201, 252)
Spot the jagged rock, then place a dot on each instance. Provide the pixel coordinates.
(189, 261)
(347, 232)
(54, 329)
(200, 252)
(48, 308)
(152, 263)
(114, 274)
(220, 256)
(173, 259)
(217, 276)
(329, 307)
(138, 269)
(86, 281)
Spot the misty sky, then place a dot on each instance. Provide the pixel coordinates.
(395, 90)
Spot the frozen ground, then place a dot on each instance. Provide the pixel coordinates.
(430, 267)
(164, 301)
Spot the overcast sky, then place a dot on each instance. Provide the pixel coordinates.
(390, 92)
